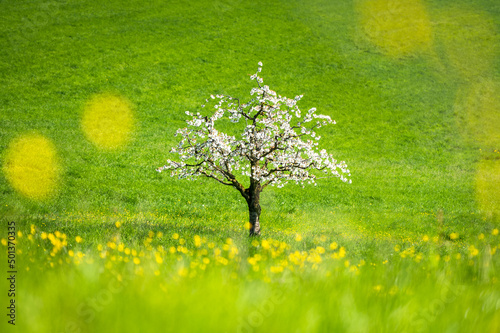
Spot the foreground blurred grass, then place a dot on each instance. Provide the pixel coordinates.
(127, 276)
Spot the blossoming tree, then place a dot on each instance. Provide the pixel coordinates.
(277, 145)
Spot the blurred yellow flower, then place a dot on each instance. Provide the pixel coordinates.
(78, 239)
(453, 235)
(494, 232)
(118, 224)
(334, 246)
(197, 241)
(298, 237)
(473, 251)
(137, 261)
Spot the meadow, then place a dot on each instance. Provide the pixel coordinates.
(104, 243)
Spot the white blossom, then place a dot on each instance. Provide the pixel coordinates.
(276, 145)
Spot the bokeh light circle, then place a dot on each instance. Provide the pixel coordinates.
(32, 167)
(397, 28)
(469, 40)
(108, 121)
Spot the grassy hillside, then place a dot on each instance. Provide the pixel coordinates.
(413, 88)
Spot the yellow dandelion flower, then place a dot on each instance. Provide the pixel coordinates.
(159, 234)
(481, 236)
(453, 235)
(151, 234)
(182, 241)
(158, 258)
(134, 253)
(206, 261)
(197, 241)
(175, 236)
(458, 256)
(121, 247)
(425, 238)
(80, 254)
(33, 229)
(334, 246)
(99, 247)
(473, 251)
(211, 245)
(137, 261)
(118, 224)
(276, 269)
(265, 244)
(298, 237)
(342, 252)
(494, 232)
(346, 263)
(4, 242)
(255, 243)
(126, 251)
(320, 249)
(78, 239)
(111, 245)
(43, 235)
(397, 248)
(71, 253)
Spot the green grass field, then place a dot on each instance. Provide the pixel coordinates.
(106, 244)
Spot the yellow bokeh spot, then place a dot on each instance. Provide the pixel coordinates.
(469, 40)
(108, 121)
(488, 186)
(478, 113)
(397, 28)
(32, 167)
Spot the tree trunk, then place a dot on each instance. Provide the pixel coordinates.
(254, 216)
(253, 202)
